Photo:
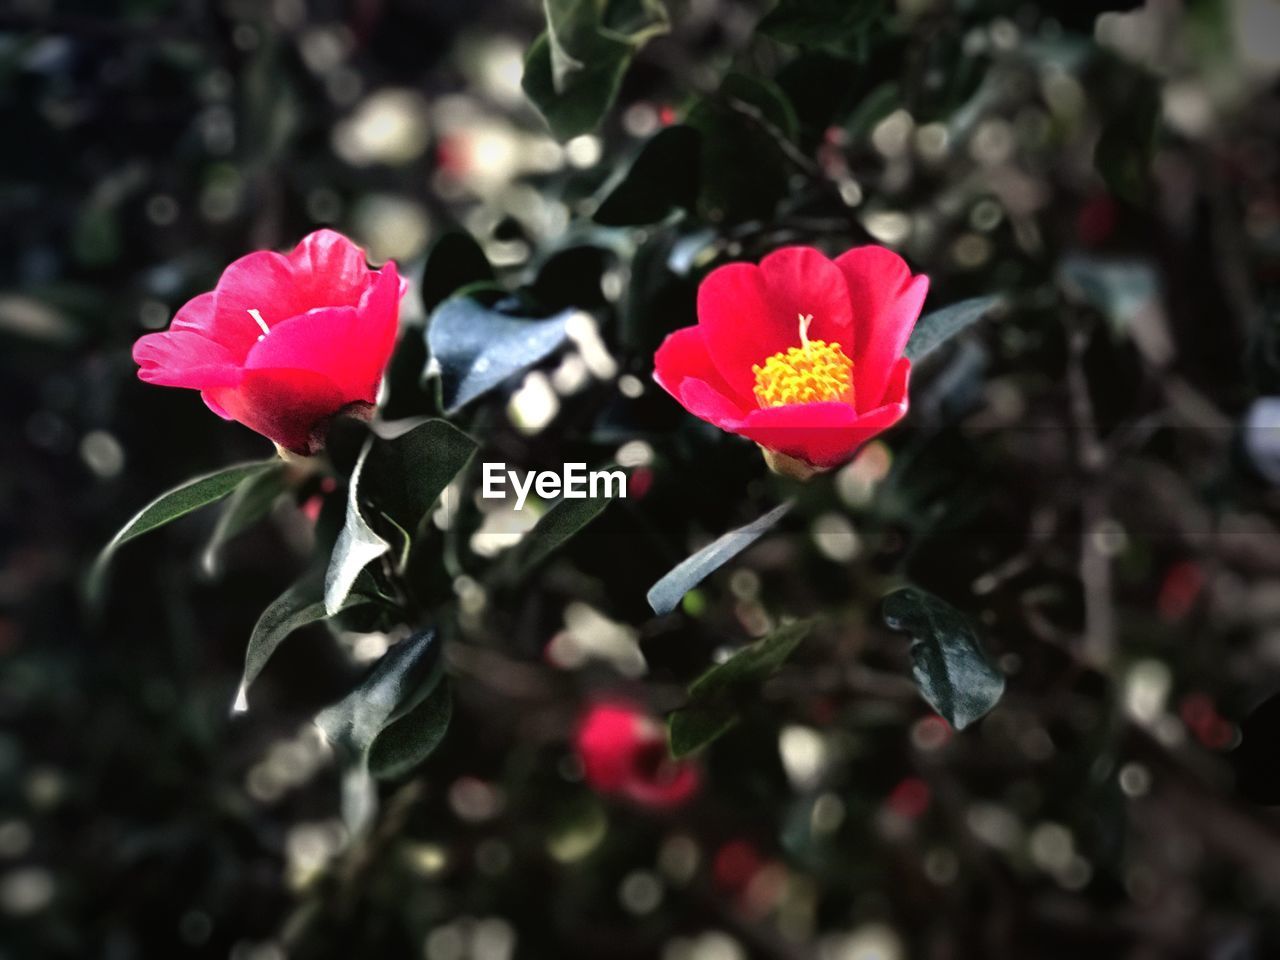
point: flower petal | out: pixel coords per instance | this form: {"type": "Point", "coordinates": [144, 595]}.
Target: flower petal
{"type": "Point", "coordinates": [737, 324]}
{"type": "Point", "coordinates": [196, 315]}
{"type": "Point", "coordinates": [801, 281]}
{"type": "Point", "coordinates": [284, 405]}
{"type": "Point", "coordinates": [684, 369]}
{"type": "Point", "coordinates": [825, 434]}
{"type": "Point", "coordinates": [261, 281]}
{"type": "Point", "coordinates": [349, 346]}
{"type": "Point", "coordinates": [749, 313]}
{"type": "Point", "coordinates": [180, 358]}
{"type": "Point", "coordinates": [329, 269]}
{"type": "Point", "coordinates": [886, 304]}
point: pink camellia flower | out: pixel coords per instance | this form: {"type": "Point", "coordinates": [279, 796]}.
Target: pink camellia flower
{"type": "Point", "coordinates": [802, 354]}
{"type": "Point", "coordinates": [624, 753]}
{"type": "Point", "coordinates": [284, 342]}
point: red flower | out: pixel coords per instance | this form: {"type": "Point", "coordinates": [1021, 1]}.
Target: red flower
{"type": "Point", "coordinates": [801, 354]}
{"type": "Point", "coordinates": [624, 753]}
{"type": "Point", "coordinates": [284, 342]}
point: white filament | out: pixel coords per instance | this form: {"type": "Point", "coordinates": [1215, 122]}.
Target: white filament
{"type": "Point", "coordinates": [257, 318]}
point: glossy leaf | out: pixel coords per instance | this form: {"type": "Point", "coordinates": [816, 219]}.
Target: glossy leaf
{"type": "Point", "coordinates": [665, 595]}
{"type": "Point", "coordinates": [405, 473]}
{"type": "Point", "coordinates": [663, 177]}
{"type": "Point", "coordinates": [715, 697]}
{"type": "Point", "coordinates": [398, 683]}
{"type": "Point", "coordinates": [453, 262]}
{"type": "Point", "coordinates": [553, 529]}
{"type": "Point", "coordinates": [169, 506]}
{"type": "Point", "coordinates": [476, 348]}
{"type": "Point", "coordinates": [573, 70]}
{"type": "Point", "coordinates": [358, 545]}
{"type": "Point", "coordinates": [301, 604]}
{"type": "Point", "coordinates": [747, 118]}
{"type": "Point", "coordinates": [936, 328]}
{"type": "Point", "coordinates": [249, 502]}
{"type": "Point", "coordinates": [953, 672]}
{"type": "Point", "coordinates": [408, 741]}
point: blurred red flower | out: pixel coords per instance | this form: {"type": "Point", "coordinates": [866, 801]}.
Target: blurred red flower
{"type": "Point", "coordinates": [284, 342]}
{"type": "Point", "coordinates": [802, 354]}
{"type": "Point", "coordinates": [624, 753]}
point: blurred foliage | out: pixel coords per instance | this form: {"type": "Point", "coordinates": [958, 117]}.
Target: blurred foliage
{"type": "Point", "coordinates": [1087, 476]}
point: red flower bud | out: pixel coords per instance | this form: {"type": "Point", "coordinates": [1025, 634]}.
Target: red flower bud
{"type": "Point", "coordinates": [284, 342]}
{"type": "Point", "coordinates": [624, 753]}
{"type": "Point", "coordinates": [801, 354]}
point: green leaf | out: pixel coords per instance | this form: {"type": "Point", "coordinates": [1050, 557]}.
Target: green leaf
{"type": "Point", "coordinates": [168, 507]}
{"type": "Point", "coordinates": [661, 292]}
{"type": "Point", "coordinates": [405, 474]}
{"type": "Point", "coordinates": [665, 595]}
{"type": "Point", "coordinates": [715, 697]}
{"type": "Point", "coordinates": [398, 683]}
{"type": "Point", "coordinates": [953, 672]}
{"type": "Point", "coordinates": [745, 127]}
{"type": "Point", "coordinates": [394, 690]}
{"type": "Point", "coordinates": [453, 262]}
{"type": "Point", "coordinates": [358, 545]}
{"type": "Point", "coordinates": [250, 502]}
{"type": "Point", "coordinates": [823, 23]}
{"type": "Point", "coordinates": [476, 348]}
{"type": "Point", "coordinates": [662, 177]}
{"type": "Point", "coordinates": [936, 328]}
{"type": "Point", "coordinates": [573, 70]}
{"type": "Point", "coordinates": [553, 529]}
{"type": "Point", "coordinates": [301, 604]}
{"type": "Point", "coordinates": [407, 742]}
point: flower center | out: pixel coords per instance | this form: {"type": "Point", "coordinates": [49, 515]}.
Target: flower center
{"type": "Point", "coordinates": [257, 318]}
{"type": "Point", "coordinates": [812, 372]}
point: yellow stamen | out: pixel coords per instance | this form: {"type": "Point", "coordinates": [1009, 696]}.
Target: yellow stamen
{"type": "Point", "coordinates": [812, 372]}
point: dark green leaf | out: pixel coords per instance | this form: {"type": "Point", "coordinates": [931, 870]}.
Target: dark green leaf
{"type": "Point", "coordinates": [661, 293]}
{"type": "Point", "coordinates": [301, 604]}
{"type": "Point", "coordinates": [477, 348]}
{"type": "Point", "coordinates": [358, 545]}
{"type": "Point", "coordinates": [249, 503]}
{"type": "Point", "coordinates": [453, 262]}
{"type": "Point", "coordinates": [579, 107]}
{"type": "Point", "coordinates": [871, 109]}
{"type": "Point", "coordinates": [553, 529]}
{"type": "Point", "coordinates": [663, 177]}
{"type": "Point", "coordinates": [953, 672]}
{"type": "Point", "coordinates": [407, 742]}
{"type": "Point", "coordinates": [715, 697]}
{"type": "Point", "coordinates": [665, 595]}
{"type": "Point", "coordinates": [936, 328]}
{"type": "Point", "coordinates": [168, 507]}
{"type": "Point", "coordinates": [405, 474]}
{"type": "Point", "coordinates": [398, 683]}
{"type": "Point", "coordinates": [573, 70]}
{"type": "Point", "coordinates": [747, 118]}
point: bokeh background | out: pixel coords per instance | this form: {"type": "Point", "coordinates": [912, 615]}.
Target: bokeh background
{"type": "Point", "coordinates": [1090, 478]}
